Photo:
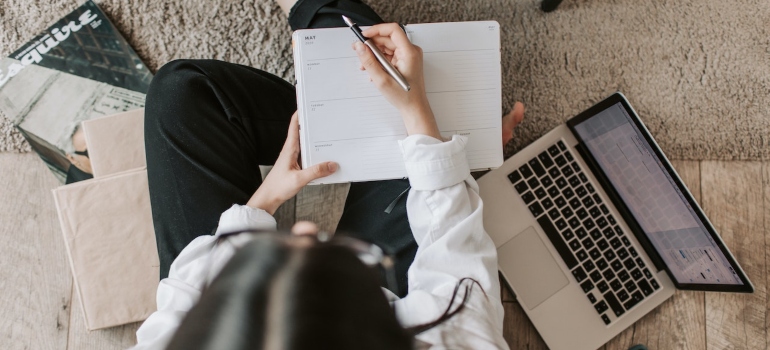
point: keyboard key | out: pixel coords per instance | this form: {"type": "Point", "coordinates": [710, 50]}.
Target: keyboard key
{"type": "Point", "coordinates": [618, 230]}
{"type": "Point", "coordinates": [630, 286]}
{"type": "Point", "coordinates": [546, 181]}
{"type": "Point", "coordinates": [554, 172]}
{"type": "Point", "coordinates": [597, 198]}
{"type": "Point", "coordinates": [602, 244]}
{"type": "Point", "coordinates": [635, 299]}
{"type": "Point", "coordinates": [533, 182]}
{"type": "Point", "coordinates": [616, 264]}
{"type": "Point", "coordinates": [567, 171]}
{"type": "Point", "coordinates": [623, 295]}
{"type": "Point", "coordinates": [575, 245]}
{"type": "Point", "coordinates": [568, 193]}
{"type": "Point", "coordinates": [587, 286]}
{"type": "Point", "coordinates": [626, 242]}
{"type": "Point", "coordinates": [557, 241]}
{"type": "Point", "coordinates": [608, 274]}
{"type": "Point", "coordinates": [611, 219]}
{"type": "Point", "coordinates": [561, 145]}
{"type": "Point", "coordinates": [545, 159]}
{"type": "Point", "coordinates": [561, 224]}
{"type": "Point", "coordinates": [636, 274]}
{"type": "Point", "coordinates": [521, 187]}
{"type": "Point", "coordinates": [601, 264]}
{"type": "Point", "coordinates": [579, 274]}
{"type": "Point", "coordinates": [602, 286]}
{"type": "Point", "coordinates": [596, 276]}
{"type": "Point", "coordinates": [536, 167]}
{"type": "Point", "coordinates": [547, 203]}
{"type": "Point", "coordinates": [574, 203]}
{"type": "Point", "coordinates": [615, 243]}
{"type": "Point", "coordinates": [633, 252]}
{"type": "Point", "coordinates": [560, 161]}
{"type": "Point", "coordinates": [568, 234]}
{"type": "Point", "coordinates": [647, 273]}
{"type": "Point", "coordinates": [569, 156]}
{"type": "Point", "coordinates": [588, 223]}
{"type": "Point", "coordinates": [574, 181]}
{"type": "Point", "coordinates": [588, 244]}
{"type": "Point", "coordinates": [553, 150]}
{"type": "Point", "coordinates": [574, 222]}
{"type": "Point", "coordinates": [594, 253]}
{"type": "Point", "coordinates": [622, 253]}
{"type": "Point", "coordinates": [616, 285]}
{"type": "Point", "coordinates": [608, 232]}
{"type": "Point", "coordinates": [591, 298]}
{"type": "Point", "coordinates": [595, 234]}
{"type": "Point", "coordinates": [588, 202]}
{"type": "Point", "coordinates": [583, 177]}
{"type": "Point", "coordinates": [601, 307]}
{"type": "Point", "coordinates": [581, 214]}
{"type": "Point", "coordinates": [561, 183]}
{"type": "Point", "coordinates": [623, 275]}
{"type": "Point", "coordinates": [540, 193]}
{"type": "Point", "coordinates": [525, 171]}
{"type": "Point", "coordinates": [553, 192]}
{"type": "Point", "coordinates": [581, 233]}
{"type": "Point", "coordinates": [528, 197]}
{"type": "Point", "coordinates": [589, 266]}
{"type": "Point", "coordinates": [567, 212]}
{"type": "Point", "coordinates": [536, 209]}
{"type": "Point", "coordinates": [645, 287]}
{"type": "Point", "coordinates": [595, 212]}
{"type": "Point", "coordinates": [601, 222]}
{"type": "Point", "coordinates": [604, 209]}
{"type": "Point", "coordinates": [560, 202]}
{"type": "Point", "coordinates": [554, 214]}
{"type": "Point", "coordinates": [609, 255]}
{"type": "Point", "coordinates": [576, 167]}
{"type": "Point", "coordinates": [606, 319]}
{"type": "Point", "coordinates": [590, 188]}
{"type": "Point", "coordinates": [514, 177]}
{"type": "Point", "coordinates": [614, 304]}
{"type": "Point", "coordinates": [654, 284]}
{"type": "Point", "coordinates": [582, 255]}
{"type": "Point", "coordinates": [629, 263]}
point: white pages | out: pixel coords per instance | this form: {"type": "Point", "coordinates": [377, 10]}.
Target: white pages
{"type": "Point", "coordinates": [344, 118]}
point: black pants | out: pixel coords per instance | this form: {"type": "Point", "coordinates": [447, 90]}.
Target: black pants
{"type": "Point", "coordinates": [210, 124]}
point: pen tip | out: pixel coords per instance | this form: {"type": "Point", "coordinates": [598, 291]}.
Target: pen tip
{"type": "Point", "coordinates": [347, 20]}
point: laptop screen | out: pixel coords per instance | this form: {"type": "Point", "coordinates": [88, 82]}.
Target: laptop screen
{"type": "Point", "coordinates": [654, 199]}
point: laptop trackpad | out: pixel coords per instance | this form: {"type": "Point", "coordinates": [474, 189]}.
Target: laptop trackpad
{"type": "Point", "coordinates": [530, 268]}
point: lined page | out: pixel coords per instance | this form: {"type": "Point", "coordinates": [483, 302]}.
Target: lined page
{"type": "Point", "coordinates": [345, 119]}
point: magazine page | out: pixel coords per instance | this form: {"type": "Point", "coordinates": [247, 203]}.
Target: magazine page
{"type": "Point", "coordinates": [80, 68]}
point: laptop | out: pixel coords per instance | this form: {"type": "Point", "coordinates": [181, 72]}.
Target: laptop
{"type": "Point", "coordinates": [594, 229]}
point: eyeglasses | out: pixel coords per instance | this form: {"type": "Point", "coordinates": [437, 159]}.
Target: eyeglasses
{"type": "Point", "coordinates": [368, 253]}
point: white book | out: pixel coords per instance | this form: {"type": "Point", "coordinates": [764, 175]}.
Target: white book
{"type": "Point", "coordinates": [345, 119]}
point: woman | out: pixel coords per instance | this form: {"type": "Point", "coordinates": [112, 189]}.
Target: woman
{"type": "Point", "coordinates": [210, 124]}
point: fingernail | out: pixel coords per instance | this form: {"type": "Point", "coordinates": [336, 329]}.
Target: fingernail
{"type": "Point", "coordinates": [332, 166]}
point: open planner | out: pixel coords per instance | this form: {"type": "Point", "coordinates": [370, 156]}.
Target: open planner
{"type": "Point", "coordinates": [344, 118]}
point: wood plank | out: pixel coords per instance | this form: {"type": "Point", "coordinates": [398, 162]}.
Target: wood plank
{"type": "Point", "coordinates": [285, 216]}
{"type": "Point", "coordinates": [733, 200]}
{"type": "Point", "coordinates": [677, 323]}
{"type": "Point", "coordinates": [34, 270]}
{"type": "Point", "coordinates": [766, 201]}
{"type": "Point", "coordinates": [120, 337]}
{"type": "Point", "coordinates": [518, 331]}
{"type": "Point", "coordinates": [322, 204]}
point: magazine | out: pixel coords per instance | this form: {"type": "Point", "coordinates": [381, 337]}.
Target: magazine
{"type": "Point", "coordinates": [78, 69]}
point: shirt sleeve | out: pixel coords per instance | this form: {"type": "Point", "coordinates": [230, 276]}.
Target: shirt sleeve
{"type": "Point", "coordinates": [203, 257]}
{"type": "Point", "coordinates": [445, 215]}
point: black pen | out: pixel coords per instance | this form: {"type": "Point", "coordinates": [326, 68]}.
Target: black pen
{"type": "Point", "coordinates": [378, 54]}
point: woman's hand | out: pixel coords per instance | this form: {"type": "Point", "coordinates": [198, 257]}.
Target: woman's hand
{"type": "Point", "coordinates": [407, 58]}
{"type": "Point", "coordinates": [287, 176]}
{"type": "Point", "coordinates": [511, 120]}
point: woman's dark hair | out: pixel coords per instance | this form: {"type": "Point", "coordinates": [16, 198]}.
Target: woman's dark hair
{"type": "Point", "coordinates": [277, 295]}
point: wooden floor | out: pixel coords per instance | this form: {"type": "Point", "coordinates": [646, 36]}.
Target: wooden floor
{"type": "Point", "coordinates": [39, 312]}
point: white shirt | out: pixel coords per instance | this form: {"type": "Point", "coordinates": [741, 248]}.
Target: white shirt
{"type": "Point", "coordinates": [445, 215]}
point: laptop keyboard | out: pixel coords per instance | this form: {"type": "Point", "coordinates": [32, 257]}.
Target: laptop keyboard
{"type": "Point", "coordinates": [584, 232]}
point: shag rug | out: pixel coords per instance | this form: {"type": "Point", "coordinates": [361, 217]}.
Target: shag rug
{"type": "Point", "coordinates": [697, 71]}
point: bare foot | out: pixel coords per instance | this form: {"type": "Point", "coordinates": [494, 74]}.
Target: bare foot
{"type": "Point", "coordinates": [511, 120]}
{"type": "Point", "coordinates": [286, 5]}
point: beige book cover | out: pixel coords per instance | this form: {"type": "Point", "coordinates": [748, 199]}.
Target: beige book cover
{"type": "Point", "coordinates": [110, 241]}
{"type": "Point", "coordinates": [116, 142]}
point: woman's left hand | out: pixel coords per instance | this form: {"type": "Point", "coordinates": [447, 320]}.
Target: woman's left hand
{"type": "Point", "coordinates": [287, 176]}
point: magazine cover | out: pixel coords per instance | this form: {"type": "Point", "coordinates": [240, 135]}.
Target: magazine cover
{"type": "Point", "coordinates": [79, 68]}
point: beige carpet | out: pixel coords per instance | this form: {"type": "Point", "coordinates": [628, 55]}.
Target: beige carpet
{"type": "Point", "coordinates": [698, 71]}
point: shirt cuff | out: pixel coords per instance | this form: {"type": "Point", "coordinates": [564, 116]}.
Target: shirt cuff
{"type": "Point", "coordinates": [432, 164]}
{"type": "Point", "coordinates": [242, 217]}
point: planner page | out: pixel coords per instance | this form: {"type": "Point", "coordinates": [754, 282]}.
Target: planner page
{"type": "Point", "coordinates": [344, 118]}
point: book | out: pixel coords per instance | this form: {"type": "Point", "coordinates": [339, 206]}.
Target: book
{"type": "Point", "coordinates": [344, 118]}
{"type": "Point", "coordinates": [80, 68]}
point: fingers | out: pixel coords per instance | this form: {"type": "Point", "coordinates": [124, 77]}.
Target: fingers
{"type": "Point", "coordinates": [511, 120]}
{"type": "Point", "coordinates": [292, 139]}
{"type": "Point", "coordinates": [317, 171]}
{"type": "Point", "coordinates": [370, 64]}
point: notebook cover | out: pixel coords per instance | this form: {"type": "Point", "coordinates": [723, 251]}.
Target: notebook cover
{"type": "Point", "coordinates": [116, 142]}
